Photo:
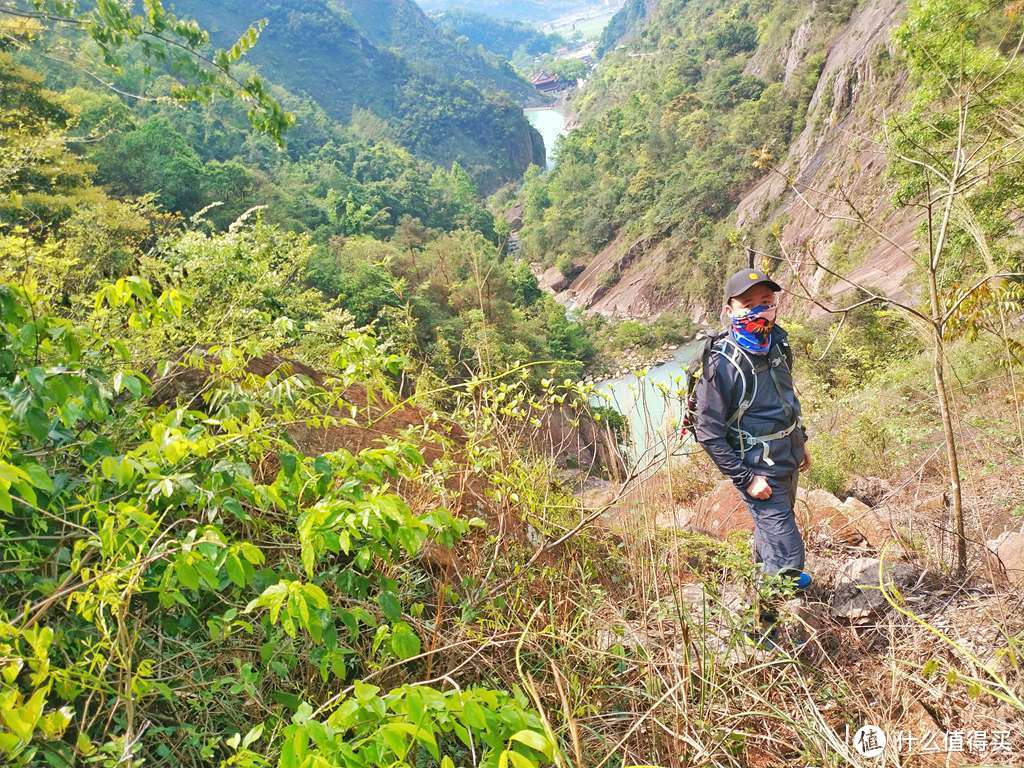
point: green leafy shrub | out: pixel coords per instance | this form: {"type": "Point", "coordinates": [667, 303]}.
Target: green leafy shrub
{"type": "Point", "coordinates": [139, 524]}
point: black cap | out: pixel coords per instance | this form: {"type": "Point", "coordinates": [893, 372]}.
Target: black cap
{"type": "Point", "coordinates": [744, 279]}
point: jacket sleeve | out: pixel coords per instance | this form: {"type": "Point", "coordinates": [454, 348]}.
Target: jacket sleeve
{"type": "Point", "coordinates": [714, 406]}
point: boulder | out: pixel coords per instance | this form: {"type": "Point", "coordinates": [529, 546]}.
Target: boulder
{"type": "Point", "coordinates": [553, 280]}
{"type": "Point", "coordinates": [1004, 558]}
{"type": "Point", "coordinates": [870, 490]}
{"type": "Point", "coordinates": [715, 621]}
{"type": "Point", "coordinates": [857, 595]}
{"type": "Point", "coordinates": [718, 514]}
{"type": "Point", "coordinates": [868, 523]}
{"type": "Point", "coordinates": [820, 514]}
{"type": "Point", "coordinates": [696, 601]}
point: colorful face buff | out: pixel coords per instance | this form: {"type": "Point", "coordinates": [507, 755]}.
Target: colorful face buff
{"type": "Point", "coordinates": [752, 329]}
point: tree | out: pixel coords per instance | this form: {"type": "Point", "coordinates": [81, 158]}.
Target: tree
{"type": "Point", "coordinates": [180, 47]}
{"type": "Point", "coordinates": [41, 181]}
{"type": "Point", "coordinates": [153, 158]}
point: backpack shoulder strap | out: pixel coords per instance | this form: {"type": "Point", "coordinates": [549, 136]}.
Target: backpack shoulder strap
{"type": "Point", "coordinates": [787, 352]}
{"type": "Point", "coordinates": [739, 360]}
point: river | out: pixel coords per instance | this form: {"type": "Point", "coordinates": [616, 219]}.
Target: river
{"type": "Point", "coordinates": [550, 122]}
{"type": "Point", "coordinates": [644, 400]}
{"type": "Point", "coordinates": [647, 399]}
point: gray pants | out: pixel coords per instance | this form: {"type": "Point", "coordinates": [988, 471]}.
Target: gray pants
{"type": "Point", "coordinates": [778, 545]}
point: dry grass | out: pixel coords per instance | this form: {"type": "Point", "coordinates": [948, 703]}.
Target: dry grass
{"type": "Point", "coordinates": [610, 636]}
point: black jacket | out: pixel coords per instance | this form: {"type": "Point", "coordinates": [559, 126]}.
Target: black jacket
{"type": "Point", "coordinates": [718, 397]}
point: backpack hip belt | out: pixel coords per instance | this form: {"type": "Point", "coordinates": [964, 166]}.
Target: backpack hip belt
{"type": "Point", "coordinates": [748, 441]}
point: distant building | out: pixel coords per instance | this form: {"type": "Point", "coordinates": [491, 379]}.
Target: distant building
{"type": "Point", "coordinates": [545, 82]}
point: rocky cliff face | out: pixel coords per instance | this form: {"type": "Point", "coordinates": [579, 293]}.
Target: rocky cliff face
{"type": "Point", "coordinates": [838, 161]}
{"type": "Point", "coordinates": [837, 157]}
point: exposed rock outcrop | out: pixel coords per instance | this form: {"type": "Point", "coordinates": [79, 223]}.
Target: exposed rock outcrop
{"type": "Point", "coordinates": [1004, 557]}
{"type": "Point", "coordinates": [820, 515]}
{"type": "Point", "coordinates": [835, 150]}
{"type": "Point", "coordinates": [858, 594]}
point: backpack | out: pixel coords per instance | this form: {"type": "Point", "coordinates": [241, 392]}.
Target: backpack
{"type": "Point", "coordinates": [695, 369]}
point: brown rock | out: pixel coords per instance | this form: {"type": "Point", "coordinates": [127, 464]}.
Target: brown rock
{"type": "Point", "coordinates": [870, 490]}
{"type": "Point", "coordinates": [869, 524]}
{"type": "Point", "coordinates": [930, 504]}
{"type": "Point", "coordinates": [1004, 556]}
{"type": "Point", "coordinates": [819, 513]}
{"type": "Point", "coordinates": [720, 513]}
{"type": "Point", "coordinates": [553, 280]}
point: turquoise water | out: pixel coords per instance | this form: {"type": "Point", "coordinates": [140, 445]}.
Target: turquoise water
{"type": "Point", "coordinates": [550, 123]}
{"type": "Point", "coordinates": [652, 404]}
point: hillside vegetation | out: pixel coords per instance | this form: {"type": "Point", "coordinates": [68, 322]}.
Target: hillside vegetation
{"type": "Point", "coordinates": [523, 10]}
{"type": "Point", "coordinates": [389, 71]}
{"type": "Point", "coordinates": [296, 465]}
{"type": "Point", "coordinates": [508, 38]}
{"type": "Point", "coordinates": [675, 128]}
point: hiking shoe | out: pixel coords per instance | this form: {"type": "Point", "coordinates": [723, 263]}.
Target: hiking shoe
{"type": "Point", "coordinates": [801, 580]}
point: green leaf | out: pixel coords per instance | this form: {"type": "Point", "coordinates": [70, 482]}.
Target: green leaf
{"type": "Point", "coordinates": [38, 424]}
{"type": "Point", "coordinates": [316, 596]}
{"type": "Point", "coordinates": [394, 739]}
{"type": "Point", "coordinates": [419, 733]}
{"type": "Point", "coordinates": [252, 736]}
{"type": "Point", "coordinates": [390, 606]}
{"type": "Point", "coordinates": [289, 463]}
{"type": "Point", "coordinates": [519, 760]}
{"type": "Point", "coordinates": [534, 740]}
{"type": "Point", "coordinates": [473, 715]}
{"type": "Point", "coordinates": [404, 642]}
{"type": "Point", "coordinates": [187, 575]}
{"type": "Point", "coordinates": [235, 570]}
{"type": "Point", "coordinates": [251, 552]}
{"type": "Point", "coordinates": [37, 475]}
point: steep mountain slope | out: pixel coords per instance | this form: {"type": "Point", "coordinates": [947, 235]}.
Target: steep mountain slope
{"type": "Point", "coordinates": [320, 49]}
{"type": "Point", "coordinates": [524, 10]}
{"type": "Point", "coordinates": [687, 135]}
{"type": "Point", "coordinates": [504, 37]}
{"type": "Point", "coordinates": [401, 26]}
{"type": "Point", "coordinates": [627, 20]}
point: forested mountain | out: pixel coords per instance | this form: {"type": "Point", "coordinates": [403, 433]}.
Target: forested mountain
{"type": "Point", "coordinates": [688, 132]}
{"type": "Point", "coordinates": [524, 10]}
{"type": "Point", "coordinates": [388, 69]}
{"type": "Point", "coordinates": [627, 20]}
{"type": "Point", "coordinates": [401, 25]}
{"type": "Point", "coordinates": [507, 37]}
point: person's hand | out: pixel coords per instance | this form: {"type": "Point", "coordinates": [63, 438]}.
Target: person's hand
{"type": "Point", "coordinates": [759, 488]}
{"type": "Point", "coordinates": [806, 463]}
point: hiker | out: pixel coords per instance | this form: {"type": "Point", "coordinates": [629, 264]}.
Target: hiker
{"type": "Point", "coordinates": [747, 417]}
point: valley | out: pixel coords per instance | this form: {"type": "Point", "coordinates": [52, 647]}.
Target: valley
{"type": "Point", "coordinates": [344, 352]}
